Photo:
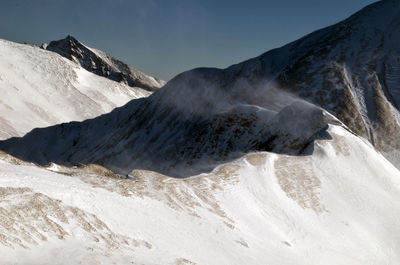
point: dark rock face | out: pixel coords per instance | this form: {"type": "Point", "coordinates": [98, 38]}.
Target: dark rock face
{"type": "Point", "coordinates": [102, 64]}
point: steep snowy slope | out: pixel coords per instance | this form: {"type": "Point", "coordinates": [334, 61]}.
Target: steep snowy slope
{"type": "Point", "coordinates": [40, 88]}
{"type": "Point", "coordinates": [341, 205]}
{"type": "Point", "coordinates": [207, 116]}
{"type": "Point", "coordinates": [102, 64]}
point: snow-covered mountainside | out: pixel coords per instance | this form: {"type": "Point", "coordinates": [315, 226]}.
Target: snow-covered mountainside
{"type": "Point", "coordinates": [102, 64]}
{"type": "Point", "coordinates": [282, 159]}
{"type": "Point", "coordinates": [207, 116]}
{"type": "Point", "coordinates": [40, 88]}
{"type": "Point", "coordinates": [351, 69]}
{"type": "Point", "coordinates": [341, 205]}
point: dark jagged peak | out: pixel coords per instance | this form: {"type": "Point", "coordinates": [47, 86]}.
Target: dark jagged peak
{"type": "Point", "coordinates": [102, 64]}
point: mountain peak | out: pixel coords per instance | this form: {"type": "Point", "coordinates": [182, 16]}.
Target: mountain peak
{"type": "Point", "coordinates": [102, 64]}
{"type": "Point", "coordinates": [379, 15]}
{"type": "Point", "coordinates": [70, 39]}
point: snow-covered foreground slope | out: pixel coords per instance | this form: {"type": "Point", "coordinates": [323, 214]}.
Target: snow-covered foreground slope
{"type": "Point", "coordinates": [40, 88]}
{"type": "Point", "coordinates": [341, 205]}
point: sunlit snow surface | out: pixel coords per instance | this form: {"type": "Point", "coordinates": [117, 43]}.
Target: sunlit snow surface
{"type": "Point", "coordinates": [341, 205]}
{"type": "Point", "coordinates": [40, 88]}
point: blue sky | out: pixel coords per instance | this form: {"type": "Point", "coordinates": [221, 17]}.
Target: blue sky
{"type": "Point", "coordinates": [166, 37]}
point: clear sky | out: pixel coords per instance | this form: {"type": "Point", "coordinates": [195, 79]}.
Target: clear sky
{"type": "Point", "coordinates": [166, 37]}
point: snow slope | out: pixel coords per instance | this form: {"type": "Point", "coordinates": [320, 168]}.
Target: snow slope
{"type": "Point", "coordinates": [340, 205]}
{"type": "Point", "coordinates": [40, 88]}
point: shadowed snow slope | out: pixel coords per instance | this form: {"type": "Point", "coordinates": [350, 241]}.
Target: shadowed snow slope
{"type": "Point", "coordinates": [146, 134]}
{"type": "Point", "coordinates": [340, 205]}
{"type": "Point", "coordinates": [40, 88]}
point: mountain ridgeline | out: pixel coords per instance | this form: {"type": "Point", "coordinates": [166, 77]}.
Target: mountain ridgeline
{"type": "Point", "coordinates": [281, 101]}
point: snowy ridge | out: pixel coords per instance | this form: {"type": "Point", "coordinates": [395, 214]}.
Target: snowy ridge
{"type": "Point", "coordinates": [40, 88]}
{"type": "Point", "coordinates": [139, 134]}
{"type": "Point", "coordinates": [261, 208]}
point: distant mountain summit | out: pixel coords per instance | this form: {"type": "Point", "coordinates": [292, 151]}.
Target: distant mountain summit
{"type": "Point", "coordinates": [40, 88]}
{"type": "Point", "coordinates": [102, 64]}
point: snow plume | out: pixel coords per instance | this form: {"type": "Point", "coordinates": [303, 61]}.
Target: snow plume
{"type": "Point", "coordinates": [207, 90]}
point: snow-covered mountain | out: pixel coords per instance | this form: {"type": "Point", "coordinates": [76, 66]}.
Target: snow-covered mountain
{"type": "Point", "coordinates": [102, 64]}
{"type": "Point", "coordinates": [351, 69]}
{"type": "Point", "coordinates": [281, 159]}
{"type": "Point", "coordinates": [40, 88]}
{"type": "Point", "coordinates": [341, 205]}
{"type": "Point", "coordinates": [207, 116]}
